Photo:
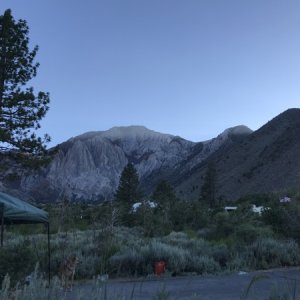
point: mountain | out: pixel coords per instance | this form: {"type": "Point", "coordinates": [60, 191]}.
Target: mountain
{"type": "Point", "coordinates": [264, 161]}
{"type": "Point", "coordinates": [88, 167]}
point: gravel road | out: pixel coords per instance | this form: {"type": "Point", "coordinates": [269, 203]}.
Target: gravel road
{"type": "Point", "coordinates": [223, 287]}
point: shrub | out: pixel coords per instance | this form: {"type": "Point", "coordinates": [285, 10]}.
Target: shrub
{"type": "Point", "coordinates": [268, 253]}
{"type": "Point", "coordinates": [223, 226]}
{"type": "Point", "coordinates": [37, 289]}
{"type": "Point", "coordinates": [237, 263]}
{"type": "Point", "coordinates": [221, 255]}
{"type": "Point", "coordinates": [248, 233]}
{"type": "Point", "coordinates": [4, 292]}
{"type": "Point", "coordinates": [140, 260]}
{"type": "Point", "coordinates": [126, 261]}
{"type": "Point", "coordinates": [203, 265]}
{"type": "Point", "coordinates": [195, 246]}
{"type": "Point", "coordinates": [187, 255]}
{"type": "Point", "coordinates": [16, 260]}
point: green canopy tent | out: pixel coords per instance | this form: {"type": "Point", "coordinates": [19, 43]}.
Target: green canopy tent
{"type": "Point", "coordinates": [16, 211]}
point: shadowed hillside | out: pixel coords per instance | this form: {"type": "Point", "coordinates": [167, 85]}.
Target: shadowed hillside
{"type": "Point", "coordinates": [267, 160]}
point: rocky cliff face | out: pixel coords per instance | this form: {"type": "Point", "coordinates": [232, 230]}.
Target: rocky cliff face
{"type": "Point", "coordinates": [88, 167]}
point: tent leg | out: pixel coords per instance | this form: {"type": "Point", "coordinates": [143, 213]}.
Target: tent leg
{"type": "Point", "coordinates": [2, 229]}
{"type": "Point", "coordinates": [49, 269]}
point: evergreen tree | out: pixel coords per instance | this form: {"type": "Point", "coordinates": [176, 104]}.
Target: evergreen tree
{"type": "Point", "coordinates": [127, 193]}
{"type": "Point", "coordinates": [208, 190]}
{"type": "Point", "coordinates": [165, 197]}
{"type": "Point", "coordinates": [20, 109]}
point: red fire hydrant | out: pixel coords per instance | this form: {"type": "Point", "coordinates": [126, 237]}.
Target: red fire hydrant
{"type": "Point", "coordinates": [160, 267]}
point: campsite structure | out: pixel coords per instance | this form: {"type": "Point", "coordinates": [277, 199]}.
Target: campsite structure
{"type": "Point", "coordinates": [16, 211]}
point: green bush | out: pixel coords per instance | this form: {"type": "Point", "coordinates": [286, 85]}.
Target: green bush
{"type": "Point", "coordinates": [203, 265]}
{"type": "Point", "coordinates": [221, 255]}
{"type": "Point", "coordinates": [139, 260]}
{"type": "Point", "coordinates": [223, 225]}
{"type": "Point", "coordinates": [175, 257]}
{"type": "Point", "coordinates": [195, 246]}
{"type": "Point", "coordinates": [17, 260]}
{"type": "Point", "coordinates": [238, 263]}
{"type": "Point", "coordinates": [269, 253]}
{"type": "Point", "coordinates": [37, 289]}
{"type": "Point", "coordinates": [180, 254]}
{"type": "Point", "coordinates": [248, 233]}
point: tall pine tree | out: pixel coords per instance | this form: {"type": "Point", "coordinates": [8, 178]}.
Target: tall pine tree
{"type": "Point", "coordinates": [20, 109]}
{"type": "Point", "coordinates": [164, 195]}
{"type": "Point", "coordinates": [165, 198]}
{"type": "Point", "coordinates": [127, 193]}
{"type": "Point", "coordinates": [208, 190]}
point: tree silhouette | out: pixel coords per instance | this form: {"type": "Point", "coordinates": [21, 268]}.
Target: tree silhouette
{"type": "Point", "coordinates": [127, 193]}
{"type": "Point", "coordinates": [208, 190]}
{"type": "Point", "coordinates": [165, 198]}
{"type": "Point", "coordinates": [20, 109]}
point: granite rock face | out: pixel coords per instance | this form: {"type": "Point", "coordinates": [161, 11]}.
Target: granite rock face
{"type": "Point", "coordinates": [88, 167]}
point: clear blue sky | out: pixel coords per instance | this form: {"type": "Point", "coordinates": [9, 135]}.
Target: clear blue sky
{"type": "Point", "coordinates": [190, 68]}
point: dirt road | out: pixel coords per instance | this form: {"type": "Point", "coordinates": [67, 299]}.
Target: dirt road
{"type": "Point", "coordinates": [224, 287]}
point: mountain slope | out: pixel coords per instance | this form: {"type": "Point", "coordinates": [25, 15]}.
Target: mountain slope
{"type": "Point", "coordinates": [264, 161]}
{"type": "Point", "coordinates": [87, 167]}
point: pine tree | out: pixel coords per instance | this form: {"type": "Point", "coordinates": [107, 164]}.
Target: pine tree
{"type": "Point", "coordinates": [127, 193]}
{"type": "Point", "coordinates": [165, 197]}
{"type": "Point", "coordinates": [208, 190]}
{"type": "Point", "coordinates": [20, 109]}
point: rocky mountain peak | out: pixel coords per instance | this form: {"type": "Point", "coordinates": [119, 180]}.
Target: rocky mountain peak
{"type": "Point", "coordinates": [215, 143]}
{"type": "Point", "coordinates": [238, 130]}
{"type": "Point", "coordinates": [131, 132]}
{"type": "Point", "coordinates": [88, 166]}
{"type": "Point", "coordinates": [123, 134]}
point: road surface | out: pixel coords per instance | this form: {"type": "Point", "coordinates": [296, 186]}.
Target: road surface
{"type": "Point", "coordinates": [223, 287]}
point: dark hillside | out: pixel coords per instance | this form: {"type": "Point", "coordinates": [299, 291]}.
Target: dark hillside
{"type": "Point", "coordinates": [265, 161]}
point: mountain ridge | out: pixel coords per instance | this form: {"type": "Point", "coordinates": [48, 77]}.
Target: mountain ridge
{"type": "Point", "coordinates": [264, 161]}
{"type": "Point", "coordinates": [87, 167]}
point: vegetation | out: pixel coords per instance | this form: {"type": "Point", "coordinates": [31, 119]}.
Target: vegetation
{"type": "Point", "coordinates": [208, 189]}
{"type": "Point", "coordinates": [165, 200]}
{"type": "Point", "coordinates": [20, 109]}
{"type": "Point", "coordinates": [190, 237]}
{"type": "Point", "coordinates": [218, 241]}
{"type": "Point", "coordinates": [127, 193]}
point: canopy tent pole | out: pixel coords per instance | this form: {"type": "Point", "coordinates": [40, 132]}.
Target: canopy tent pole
{"type": "Point", "coordinates": [49, 269]}
{"type": "Point", "coordinates": [2, 228]}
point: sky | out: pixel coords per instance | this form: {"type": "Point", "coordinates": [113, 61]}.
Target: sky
{"type": "Point", "coordinates": [190, 68]}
